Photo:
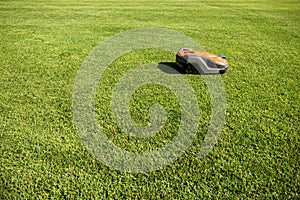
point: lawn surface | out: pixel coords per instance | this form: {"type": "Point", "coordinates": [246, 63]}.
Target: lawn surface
{"type": "Point", "coordinates": [43, 44]}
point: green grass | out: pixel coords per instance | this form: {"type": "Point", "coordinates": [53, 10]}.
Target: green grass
{"type": "Point", "coordinates": [43, 44]}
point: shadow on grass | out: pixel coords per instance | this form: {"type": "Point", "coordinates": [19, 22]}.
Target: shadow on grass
{"type": "Point", "coordinates": [168, 67]}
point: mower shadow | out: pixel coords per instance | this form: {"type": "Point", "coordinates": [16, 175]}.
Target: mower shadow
{"type": "Point", "coordinates": [169, 67]}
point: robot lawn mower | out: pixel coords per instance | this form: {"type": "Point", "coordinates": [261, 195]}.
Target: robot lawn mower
{"type": "Point", "coordinates": [197, 61]}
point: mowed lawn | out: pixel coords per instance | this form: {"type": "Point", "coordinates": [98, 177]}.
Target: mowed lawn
{"type": "Point", "coordinates": [43, 44]}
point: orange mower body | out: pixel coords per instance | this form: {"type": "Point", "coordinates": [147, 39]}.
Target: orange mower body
{"type": "Point", "coordinates": [201, 62]}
